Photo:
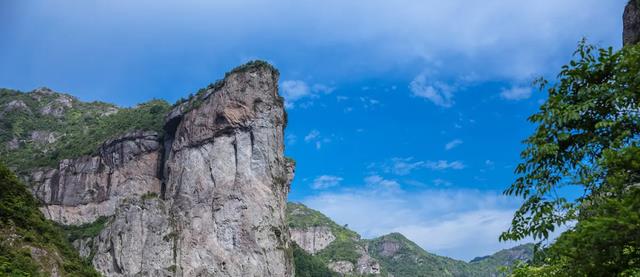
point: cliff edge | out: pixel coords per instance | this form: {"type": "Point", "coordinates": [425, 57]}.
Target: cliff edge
{"type": "Point", "coordinates": [207, 196]}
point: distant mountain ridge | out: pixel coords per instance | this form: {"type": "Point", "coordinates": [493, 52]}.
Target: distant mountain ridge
{"type": "Point", "coordinates": [328, 249]}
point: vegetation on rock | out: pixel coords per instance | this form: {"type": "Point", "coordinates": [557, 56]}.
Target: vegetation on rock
{"type": "Point", "coordinates": [308, 265]}
{"type": "Point", "coordinates": [71, 128]}
{"type": "Point", "coordinates": [396, 254]}
{"type": "Point", "coordinates": [30, 245]}
{"type": "Point", "coordinates": [87, 230]}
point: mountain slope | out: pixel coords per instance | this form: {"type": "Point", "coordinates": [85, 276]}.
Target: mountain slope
{"type": "Point", "coordinates": [194, 189]}
{"type": "Point", "coordinates": [487, 265]}
{"type": "Point", "coordinates": [30, 245]}
{"type": "Point", "coordinates": [402, 257]}
{"type": "Point", "coordinates": [42, 127]}
{"type": "Point", "coordinates": [343, 251]}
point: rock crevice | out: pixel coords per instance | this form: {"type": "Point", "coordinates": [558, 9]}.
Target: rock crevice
{"type": "Point", "coordinates": [206, 198]}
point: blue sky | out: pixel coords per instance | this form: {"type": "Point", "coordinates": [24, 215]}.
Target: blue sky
{"type": "Point", "coordinates": [404, 115]}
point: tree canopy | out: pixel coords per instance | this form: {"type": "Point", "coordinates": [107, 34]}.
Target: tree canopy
{"type": "Point", "coordinates": [586, 135]}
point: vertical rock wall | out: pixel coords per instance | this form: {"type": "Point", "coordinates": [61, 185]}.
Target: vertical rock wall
{"type": "Point", "coordinates": [631, 23]}
{"type": "Point", "coordinates": [207, 200]}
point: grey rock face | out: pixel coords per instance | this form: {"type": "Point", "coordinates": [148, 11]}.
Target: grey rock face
{"type": "Point", "coordinates": [312, 239]}
{"type": "Point", "coordinates": [13, 144]}
{"type": "Point", "coordinates": [44, 137]}
{"type": "Point", "coordinates": [57, 107]}
{"type": "Point", "coordinates": [390, 248]}
{"type": "Point", "coordinates": [367, 264]}
{"type": "Point", "coordinates": [139, 241]}
{"type": "Point", "coordinates": [342, 267]}
{"type": "Point", "coordinates": [16, 105]}
{"type": "Point", "coordinates": [83, 189]}
{"type": "Point", "coordinates": [228, 180]}
{"type": "Point", "coordinates": [631, 23]}
{"type": "Point", "coordinates": [221, 182]}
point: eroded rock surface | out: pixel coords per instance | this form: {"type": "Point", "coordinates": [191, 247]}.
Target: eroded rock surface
{"type": "Point", "coordinates": [83, 189]}
{"type": "Point", "coordinates": [207, 200]}
{"type": "Point", "coordinates": [312, 239]}
{"type": "Point", "coordinates": [342, 267]}
{"type": "Point", "coordinates": [631, 23]}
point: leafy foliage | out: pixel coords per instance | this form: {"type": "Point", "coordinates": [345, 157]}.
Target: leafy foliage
{"type": "Point", "coordinates": [588, 135]}
{"type": "Point", "coordinates": [78, 130]}
{"type": "Point", "coordinates": [591, 110]}
{"type": "Point", "coordinates": [300, 216]}
{"type": "Point", "coordinates": [23, 227]}
{"type": "Point", "coordinates": [307, 265]}
{"type": "Point", "coordinates": [87, 230]}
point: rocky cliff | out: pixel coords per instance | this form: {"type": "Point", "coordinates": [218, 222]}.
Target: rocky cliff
{"type": "Point", "coordinates": [204, 196]}
{"type": "Point", "coordinates": [631, 23]}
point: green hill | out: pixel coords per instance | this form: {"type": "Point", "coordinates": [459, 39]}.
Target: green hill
{"type": "Point", "coordinates": [30, 245]}
{"type": "Point", "coordinates": [393, 254]}
{"type": "Point", "coordinates": [41, 127]}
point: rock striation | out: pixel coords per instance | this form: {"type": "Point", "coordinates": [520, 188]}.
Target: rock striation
{"type": "Point", "coordinates": [82, 190]}
{"type": "Point", "coordinates": [206, 198]}
{"type": "Point", "coordinates": [312, 239]}
{"type": "Point", "coordinates": [631, 23]}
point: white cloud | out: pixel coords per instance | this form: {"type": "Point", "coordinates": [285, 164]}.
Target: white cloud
{"type": "Point", "coordinates": [459, 223]}
{"type": "Point", "coordinates": [377, 182]}
{"type": "Point", "coordinates": [404, 166]}
{"type": "Point", "coordinates": [326, 181]}
{"type": "Point", "coordinates": [320, 88]}
{"type": "Point", "coordinates": [313, 134]}
{"type": "Point", "coordinates": [438, 93]}
{"type": "Point", "coordinates": [442, 165]}
{"type": "Point", "coordinates": [516, 93]}
{"type": "Point", "coordinates": [291, 139]}
{"type": "Point", "coordinates": [489, 163]}
{"type": "Point", "coordinates": [369, 102]}
{"type": "Point", "coordinates": [452, 144]}
{"type": "Point", "coordinates": [296, 90]}
{"type": "Point", "coordinates": [441, 182]}
{"type": "Point", "coordinates": [459, 37]}
{"type": "Point", "coordinates": [318, 140]}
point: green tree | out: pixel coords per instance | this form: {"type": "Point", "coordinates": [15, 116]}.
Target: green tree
{"type": "Point", "coordinates": [587, 135]}
{"type": "Point", "coordinates": [592, 109]}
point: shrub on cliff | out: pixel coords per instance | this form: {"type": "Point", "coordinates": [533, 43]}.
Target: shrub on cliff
{"type": "Point", "coordinates": [30, 245]}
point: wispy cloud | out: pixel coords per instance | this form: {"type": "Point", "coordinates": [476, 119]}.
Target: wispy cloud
{"type": "Point", "coordinates": [377, 181]}
{"type": "Point", "coordinates": [452, 144]}
{"type": "Point", "coordinates": [326, 181]}
{"type": "Point", "coordinates": [459, 37]}
{"type": "Point", "coordinates": [404, 166]}
{"type": "Point", "coordinates": [443, 164]}
{"type": "Point", "coordinates": [516, 93]}
{"type": "Point", "coordinates": [438, 93]}
{"type": "Point", "coordinates": [454, 222]}
{"type": "Point", "coordinates": [368, 102]}
{"type": "Point", "coordinates": [441, 182]}
{"type": "Point", "coordinates": [317, 139]}
{"type": "Point", "coordinates": [295, 90]}
{"type": "Point", "coordinates": [313, 134]}
{"type": "Point", "coordinates": [291, 139]}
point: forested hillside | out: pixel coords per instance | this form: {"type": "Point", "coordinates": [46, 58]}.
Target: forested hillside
{"type": "Point", "coordinates": [341, 251]}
